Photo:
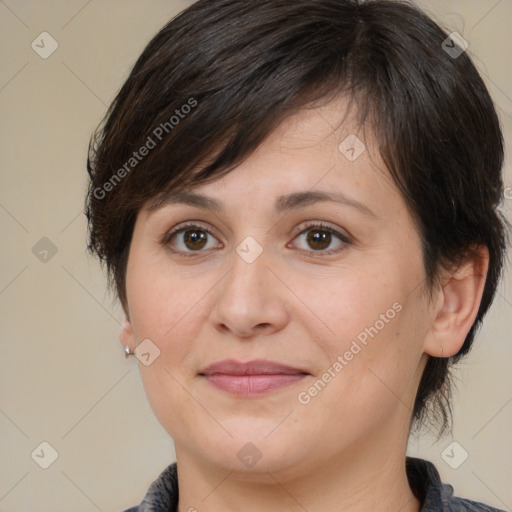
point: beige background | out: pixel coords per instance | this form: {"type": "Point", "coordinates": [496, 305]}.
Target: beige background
{"type": "Point", "coordinates": [63, 376]}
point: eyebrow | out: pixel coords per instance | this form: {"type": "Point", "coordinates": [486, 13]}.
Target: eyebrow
{"type": "Point", "coordinates": [283, 203]}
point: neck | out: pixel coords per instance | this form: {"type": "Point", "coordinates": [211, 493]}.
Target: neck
{"type": "Point", "coordinates": [361, 479]}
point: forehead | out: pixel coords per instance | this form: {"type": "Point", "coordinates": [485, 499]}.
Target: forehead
{"type": "Point", "coordinates": [316, 155]}
{"type": "Point", "coordinates": [315, 147]}
{"type": "Point", "coordinates": [319, 127]}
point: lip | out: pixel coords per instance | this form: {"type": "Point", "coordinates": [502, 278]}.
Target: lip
{"type": "Point", "coordinates": [251, 378]}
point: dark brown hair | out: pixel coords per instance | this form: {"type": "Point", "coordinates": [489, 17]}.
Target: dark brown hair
{"type": "Point", "coordinates": [216, 80]}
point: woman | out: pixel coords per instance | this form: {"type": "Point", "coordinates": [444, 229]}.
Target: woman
{"type": "Point", "coordinates": [297, 205]}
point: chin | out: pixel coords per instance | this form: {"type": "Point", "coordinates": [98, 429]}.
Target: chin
{"type": "Point", "coordinates": [252, 455]}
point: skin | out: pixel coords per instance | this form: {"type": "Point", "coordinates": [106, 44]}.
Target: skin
{"type": "Point", "coordinates": [345, 449]}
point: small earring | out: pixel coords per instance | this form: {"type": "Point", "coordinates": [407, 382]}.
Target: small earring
{"type": "Point", "coordinates": [442, 351]}
{"type": "Point", "coordinates": [127, 352]}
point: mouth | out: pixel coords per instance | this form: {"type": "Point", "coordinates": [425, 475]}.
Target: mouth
{"type": "Point", "coordinates": [252, 378]}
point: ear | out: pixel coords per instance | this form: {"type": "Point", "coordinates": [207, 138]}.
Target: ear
{"type": "Point", "coordinates": [457, 304]}
{"type": "Point", "coordinates": [126, 334]}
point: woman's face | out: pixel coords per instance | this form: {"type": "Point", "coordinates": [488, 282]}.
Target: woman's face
{"type": "Point", "coordinates": [310, 269]}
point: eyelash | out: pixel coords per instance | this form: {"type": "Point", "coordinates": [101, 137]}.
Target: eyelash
{"type": "Point", "coordinates": [318, 226]}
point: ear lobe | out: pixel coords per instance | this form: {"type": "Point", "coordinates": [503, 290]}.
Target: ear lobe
{"type": "Point", "coordinates": [126, 335]}
{"type": "Point", "coordinates": [460, 300]}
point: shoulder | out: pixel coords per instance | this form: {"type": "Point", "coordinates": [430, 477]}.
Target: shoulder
{"type": "Point", "coordinates": [463, 505]}
{"type": "Point", "coordinates": [162, 495]}
{"type": "Point", "coordinates": [435, 496]}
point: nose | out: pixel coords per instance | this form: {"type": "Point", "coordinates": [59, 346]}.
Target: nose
{"type": "Point", "coordinates": [251, 300]}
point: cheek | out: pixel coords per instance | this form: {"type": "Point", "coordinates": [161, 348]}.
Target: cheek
{"type": "Point", "coordinates": [370, 329]}
{"type": "Point", "coordinates": [168, 311]}
{"type": "Point", "coordinates": [160, 302]}
{"type": "Point", "coordinates": [173, 405]}
{"type": "Point", "coordinates": [370, 376]}
{"type": "Point", "coordinates": [350, 305]}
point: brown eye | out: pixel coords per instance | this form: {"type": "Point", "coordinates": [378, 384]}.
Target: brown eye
{"type": "Point", "coordinates": [319, 237]}
{"type": "Point", "coordinates": [190, 239]}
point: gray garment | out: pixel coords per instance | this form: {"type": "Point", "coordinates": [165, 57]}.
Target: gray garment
{"type": "Point", "coordinates": [423, 476]}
